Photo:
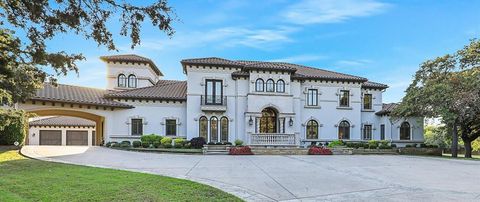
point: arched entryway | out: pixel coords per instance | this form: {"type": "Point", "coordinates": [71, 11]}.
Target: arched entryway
{"type": "Point", "coordinates": [99, 120]}
{"type": "Point", "coordinates": [268, 121]}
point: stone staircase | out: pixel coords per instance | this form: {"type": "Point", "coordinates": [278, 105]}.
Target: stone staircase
{"type": "Point", "coordinates": [216, 149]}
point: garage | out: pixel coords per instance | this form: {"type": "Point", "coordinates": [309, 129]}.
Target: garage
{"type": "Point", "coordinates": [50, 137]}
{"type": "Point", "coordinates": [77, 137]}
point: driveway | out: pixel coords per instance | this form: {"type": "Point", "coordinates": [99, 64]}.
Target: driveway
{"type": "Point", "coordinates": [295, 178]}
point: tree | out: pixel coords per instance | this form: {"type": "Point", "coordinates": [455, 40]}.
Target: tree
{"type": "Point", "coordinates": [39, 21]}
{"type": "Point", "coordinates": [448, 87]}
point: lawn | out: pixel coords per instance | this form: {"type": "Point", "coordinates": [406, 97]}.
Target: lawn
{"type": "Point", "coordinates": [462, 156]}
{"type": "Point", "coordinates": [23, 179]}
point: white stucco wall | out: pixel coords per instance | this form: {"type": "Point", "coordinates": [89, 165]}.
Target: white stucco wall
{"type": "Point", "coordinates": [144, 73]}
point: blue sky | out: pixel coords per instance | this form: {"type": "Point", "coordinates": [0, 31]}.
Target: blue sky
{"type": "Point", "coordinates": [384, 41]}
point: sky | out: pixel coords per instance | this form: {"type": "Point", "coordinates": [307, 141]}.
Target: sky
{"type": "Point", "coordinates": [384, 41]}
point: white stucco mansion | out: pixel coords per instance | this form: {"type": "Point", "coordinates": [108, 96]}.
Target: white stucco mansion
{"type": "Point", "coordinates": [261, 103]}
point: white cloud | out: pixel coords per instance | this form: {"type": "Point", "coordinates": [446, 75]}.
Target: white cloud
{"type": "Point", "coordinates": [331, 11]}
{"type": "Point", "coordinates": [300, 58]}
{"type": "Point", "coordinates": [356, 63]}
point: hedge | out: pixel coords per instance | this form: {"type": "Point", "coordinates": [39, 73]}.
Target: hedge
{"type": "Point", "coordinates": [13, 127]}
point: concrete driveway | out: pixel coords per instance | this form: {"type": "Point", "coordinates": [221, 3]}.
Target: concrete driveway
{"type": "Point", "coordinates": [295, 178]}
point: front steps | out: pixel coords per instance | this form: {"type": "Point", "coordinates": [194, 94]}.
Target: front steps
{"type": "Point", "coordinates": [216, 149]}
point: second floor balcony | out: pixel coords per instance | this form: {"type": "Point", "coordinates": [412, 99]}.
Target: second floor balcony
{"type": "Point", "coordinates": [213, 103]}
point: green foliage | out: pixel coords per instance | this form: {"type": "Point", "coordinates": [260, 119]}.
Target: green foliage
{"type": "Point", "coordinates": [437, 135]}
{"type": "Point", "coordinates": [373, 144]}
{"type": "Point", "coordinates": [13, 127]}
{"type": "Point", "coordinates": [336, 143]}
{"type": "Point", "coordinates": [125, 144]}
{"type": "Point", "coordinates": [151, 139]}
{"type": "Point", "coordinates": [238, 142]}
{"type": "Point", "coordinates": [166, 142]}
{"type": "Point", "coordinates": [179, 142]}
{"type": "Point", "coordinates": [136, 144]}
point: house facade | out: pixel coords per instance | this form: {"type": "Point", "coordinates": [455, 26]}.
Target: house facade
{"type": "Point", "coordinates": [261, 103]}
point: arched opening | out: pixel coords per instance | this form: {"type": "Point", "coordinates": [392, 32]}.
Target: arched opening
{"type": "Point", "coordinates": [213, 129]}
{"type": "Point", "coordinates": [268, 121]}
{"type": "Point", "coordinates": [405, 131]}
{"type": "Point", "coordinates": [312, 129]}
{"type": "Point", "coordinates": [344, 130]}
{"type": "Point", "coordinates": [270, 85]}
{"type": "Point", "coordinates": [99, 120]}
{"type": "Point", "coordinates": [203, 127]}
{"type": "Point", "coordinates": [259, 85]}
{"type": "Point", "coordinates": [280, 86]}
{"type": "Point", "coordinates": [224, 129]}
{"type": "Point", "coordinates": [132, 81]}
{"type": "Point", "coordinates": [122, 81]}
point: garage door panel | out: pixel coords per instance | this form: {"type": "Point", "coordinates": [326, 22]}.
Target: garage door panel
{"type": "Point", "coordinates": [50, 137]}
{"type": "Point", "coordinates": [77, 138]}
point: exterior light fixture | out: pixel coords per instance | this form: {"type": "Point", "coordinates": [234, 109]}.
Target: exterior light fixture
{"type": "Point", "coordinates": [250, 121]}
{"type": "Point", "coordinates": [290, 122]}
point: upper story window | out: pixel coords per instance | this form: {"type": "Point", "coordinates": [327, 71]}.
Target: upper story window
{"type": "Point", "coordinates": [382, 131]}
{"type": "Point", "coordinates": [170, 127]}
{"type": "Point", "coordinates": [132, 81]}
{"type": "Point", "coordinates": [312, 97]}
{"type": "Point", "coordinates": [122, 81]}
{"type": "Point", "coordinates": [367, 132]}
{"type": "Point", "coordinates": [280, 86]}
{"type": "Point", "coordinates": [367, 101]}
{"type": "Point", "coordinates": [137, 126]}
{"type": "Point", "coordinates": [259, 85]}
{"type": "Point", "coordinates": [344, 98]}
{"type": "Point", "coordinates": [270, 85]}
{"type": "Point", "coordinates": [213, 92]}
{"type": "Point", "coordinates": [405, 131]}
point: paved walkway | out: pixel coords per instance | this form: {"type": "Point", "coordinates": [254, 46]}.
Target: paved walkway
{"type": "Point", "coordinates": [295, 178]}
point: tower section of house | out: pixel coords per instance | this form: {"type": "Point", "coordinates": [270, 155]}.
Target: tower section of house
{"type": "Point", "coordinates": [130, 71]}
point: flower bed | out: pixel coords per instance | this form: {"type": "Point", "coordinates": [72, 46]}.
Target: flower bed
{"type": "Point", "coordinates": [242, 150]}
{"type": "Point", "coordinates": [319, 151]}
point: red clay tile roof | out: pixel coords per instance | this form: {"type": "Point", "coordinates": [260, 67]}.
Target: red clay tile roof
{"type": "Point", "coordinates": [132, 58]}
{"type": "Point", "coordinates": [76, 95]}
{"type": "Point", "coordinates": [163, 90]}
{"type": "Point", "coordinates": [62, 121]}
{"type": "Point", "coordinates": [386, 109]}
{"type": "Point", "coordinates": [370, 84]}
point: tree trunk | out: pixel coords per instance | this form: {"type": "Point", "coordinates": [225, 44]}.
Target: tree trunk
{"type": "Point", "coordinates": [468, 147]}
{"type": "Point", "coordinates": [454, 140]}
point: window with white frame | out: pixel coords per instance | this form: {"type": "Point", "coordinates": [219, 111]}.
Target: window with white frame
{"type": "Point", "coordinates": [280, 86]}
{"type": "Point", "coordinates": [132, 81]}
{"type": "Point", "coordinates": [122, 81]}
{"type": "Point", "coordinates": [259, 85]}
{"type": "Point", "coordinates": [270, 85]}
{"type": "Point", "coordinates": [312, 97]}
{"type": "Point", "coordinates": [171, 127]}
{"type": "Point", "coordinates": [137, 127]}
{"type": "Point", "coordinates": [367, 132]}
{"type": "Point", "coordinates": [344, 98]}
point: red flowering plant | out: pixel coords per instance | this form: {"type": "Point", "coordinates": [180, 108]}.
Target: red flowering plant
{"type": "Point", "coordinates": [241, 150]}
{"type": "Point", "coordinates": [315, 150]}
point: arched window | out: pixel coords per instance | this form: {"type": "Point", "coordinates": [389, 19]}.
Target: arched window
{"type": "Point", "coordinates": [268, 121]}
{"type": "Point", "coordinates": [280, 86]}
{"type": "Point", "coordinates": [344, 130]}
{"type": "Point", "coordinates": [122, 81]}
{"type": "Point", "coordinates": [214, 129]}
{"type": "Point", "coordinates": [312, 129]}
{"type": "Point", "coordinates": [224, 129]}
{"type": "Point", "coordinates": [132, 81]}
{"type": "Point", "coordinates": [270, 85]}
{"type": "Point", "coordinates": [203, 127]}
{"type": "Point", "coordinates": [259, 85]}
{"type": "Point", "coordinates": [405, 131]}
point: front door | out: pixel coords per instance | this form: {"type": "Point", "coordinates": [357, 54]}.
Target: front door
{"type": "Point", "coordinates": [268, 121]}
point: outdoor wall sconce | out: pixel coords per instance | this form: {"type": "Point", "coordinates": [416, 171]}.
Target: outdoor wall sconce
{"type": "Point", "coordinates": [33, 135]}
{"type": "Point", "coordinates": [290, 122]}
{"type": "Point", "coordinates": [250, 121]}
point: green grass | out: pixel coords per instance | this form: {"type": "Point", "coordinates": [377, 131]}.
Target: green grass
{"type": "Point", "coordinates": [462, 156]}
{"type": "Point", "coordinates": [23, 179]}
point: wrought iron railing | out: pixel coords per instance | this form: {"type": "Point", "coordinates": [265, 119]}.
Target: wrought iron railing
{"type": "Point", "coordinates": [213, 100]}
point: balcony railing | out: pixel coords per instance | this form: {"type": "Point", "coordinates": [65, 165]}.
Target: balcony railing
{"type": "Point", "coordinates": [213, 103]}
{"type": "Point", "coordinates": [274, 139]}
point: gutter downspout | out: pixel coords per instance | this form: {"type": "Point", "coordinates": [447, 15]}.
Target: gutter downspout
{"type": "Point", "coordinates": [236, 109]}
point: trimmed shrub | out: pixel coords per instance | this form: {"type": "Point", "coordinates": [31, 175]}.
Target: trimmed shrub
{"type": "Point", "coordinates": [197, 142]}
{"type": "Point", "coordinates": [151, 139]}
{"type": "Point", "coordinates": [336, 143]}
{"type": "Point", "coordinates": [109, 144]}
{"type": "Point", "coordinates": [146, 145]}
{"type": "Point", "coordinates": [383, 143]}
{"type": "Point", "coordinates": [219, 143]}
{"type": "Point", "coordinates": [384, 146]}
{"type": "Point", "coordinates": [166, 142]}
{"type": "Point", "coordinates": [240, 150]}
{"type": "Point", "coordinates": [211, 143]}
{"type": "Point", "coordinates": [114, 144]}
{"type": "Point", "coordinates": [238, 142]}
{"type": "Point", "coordinates": [179, 142]}
{"type": "Point", "coordinates": [393, 145]}
{"type": "Point", "coordinates": [15, 124]}
{"type": "Point", "coordinates": [314, 150]}
{"type": "Point", "coordinates": [228, 143]}
{"type": "Point", "coordinates": [125, 144]}
{"type": "Point", "coordinates": [136, 144]}
{"type": "Point", "coordinates": [408, 145]}
{"type": "Point", "coordinates": [187, 145]}
{"type": "Point", "coordinates": [373, 144]}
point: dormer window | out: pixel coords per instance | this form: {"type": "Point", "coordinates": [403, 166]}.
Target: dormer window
{"type": "Point", "coordinates": [259, 85]}
{"type": "Point", "coordinates": [132, 81]}
{"type": "Point", "coordinates": [270, 85]}
{"type": "Point", "coordinates": [122, 81]}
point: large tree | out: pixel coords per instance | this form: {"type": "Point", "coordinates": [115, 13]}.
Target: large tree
{"type": "Point", "coordinates": [26, 26]}
{"type": "Point", "coordinates": [448, 87]}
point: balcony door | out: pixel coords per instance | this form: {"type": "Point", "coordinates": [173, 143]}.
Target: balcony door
{"type": "Point", "coordinates": [268, 121]}
{"type": "Point", "coordinates": [213, 92]}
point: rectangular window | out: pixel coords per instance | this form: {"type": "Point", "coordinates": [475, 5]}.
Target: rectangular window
{"type": "Point", "coordinates": [137, 126]}
{"type": "Point", "coordinates": [170, 127]}
{"type": "Point", "coordinates": [367, 101]}
{"type": "Point", "coordinates": [312, 97]}
{"type": "Point", "coordinates": [367, 132]}
{"type": "Point", "coordinates": [382, 132]}
{"type": "Point", "coordinates": [213, 92]}
{"type": "Point", "coordinates": [344, 98]}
